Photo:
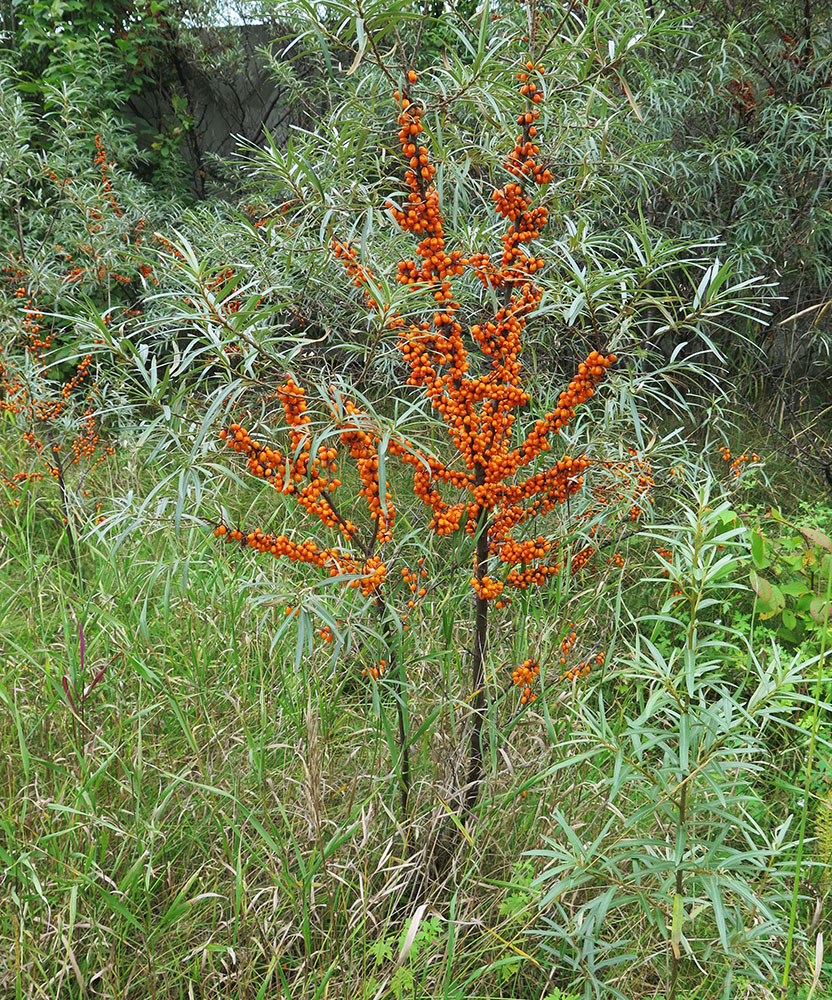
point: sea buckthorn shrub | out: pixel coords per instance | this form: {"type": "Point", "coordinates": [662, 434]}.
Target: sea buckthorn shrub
{"type": "Point", "coordinates": [450, 328]}
{"type": "Point", "coordinates": [57, 426]}
{"type": "Point", "coordinates": [494, 461]}
{"type": "Point", "coordinates": [473, 377]}
{"type": "Point", "coordinates": [691, 828]}
{"type": "Point", "coordinates": [585, 292]}
{"type": "Point", "coordinates": [78, 226]}
{"type": "Point", "coordinates": [73, 232]}
{"type": "Point", "coordinates": [89, 214]}
{"type": "Point", "coordinates": [85, 279]}
{"type": "Point", "coordinates": [611, 270]}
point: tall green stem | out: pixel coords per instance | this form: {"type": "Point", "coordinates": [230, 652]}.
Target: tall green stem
{"type": "Point", "coordinates": [805, 810]}
{"type": "Point", "coordinates": [685, 776]}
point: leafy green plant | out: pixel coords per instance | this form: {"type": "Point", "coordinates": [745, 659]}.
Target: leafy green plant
{"type": "Point", "coordinates": [790, 565]}
{"type": "Point", "coordinates": [415, 944]}
{"type": "Point", "coordinates": [822, 663]}
{"type": "Point", "coordinates": [677, 855]}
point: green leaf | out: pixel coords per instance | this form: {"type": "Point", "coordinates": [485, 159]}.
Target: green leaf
{"type": "Point", "coordinates": [761, 587]}
{"type": "Point", "coordinates": [678, 923]}
{"type": "Point", "coordinates": [714, 891]}
{"type": "Point", "coordinates": [24, 752]}
{"type": "Point", "coordinates": [485, 19]}
{"type": "Point", "coordinates": [361, 35]}
{"type": "Point", "coordinates": [774, 605]}
{"type": "Point", "coordinates": [758, 550]}
{"type": "Point", "coordinates": [382, 950]}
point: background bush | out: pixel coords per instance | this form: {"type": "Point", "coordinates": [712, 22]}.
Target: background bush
{"type": "Point", "coordinates": [199, 789]}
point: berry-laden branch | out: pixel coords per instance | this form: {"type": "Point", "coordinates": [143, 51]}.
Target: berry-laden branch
{"type": "Point", "coordinates": [313, 481]}
{"type": "Point", "coordinates": [45, 411]}
{"type": "Point", "coordinates": [479, 395]}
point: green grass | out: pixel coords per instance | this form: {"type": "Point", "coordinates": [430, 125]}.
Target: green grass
{"type": "Point", "coordinates": [221, 824]}
{"type": "Point", "coordinates": [224, 822]}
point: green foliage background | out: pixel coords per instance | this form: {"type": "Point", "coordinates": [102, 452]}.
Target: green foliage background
{"type": "Point", "coordinates": [219, 817]}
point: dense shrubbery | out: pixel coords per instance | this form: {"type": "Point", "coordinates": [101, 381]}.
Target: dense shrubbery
{"type": "Point", "coordinates": [415, 755]}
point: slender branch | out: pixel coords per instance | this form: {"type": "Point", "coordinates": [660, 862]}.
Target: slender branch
{"type": "Point", "coordinates": [67, 516]}
{"type": "Point", "coordinates": [399, 673]}
{"type": "Point", "coordinates": [475, 768]}
{"type": "Point", "coordinates": [676, 959]}
{"type": "Point", "coordinates": [379, 61]}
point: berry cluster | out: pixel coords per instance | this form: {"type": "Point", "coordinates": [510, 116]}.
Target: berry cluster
{"type": "Point", "coordinates": [738, 464]}
{"type": "Point", "coordinates": [667, 555]}
{"type": "Point", "coordinates": [100, 160]}
{"type": "Point", "coordinates": [567, 643]}
{"type": "Point", "coordinates": [480, 396]}
{"type": "Point", "coordinates": [411, 577]}
{"type": "Point", "coordinates": [583, 668]}
{"type": "Point", "coordinates": [581, 556]}
{"type": "Point", "coordinates": [312, 480]}
{"type": "Point", "coordinates": [231, 302]}
{"type": "Point", "coordinates": [742, 96]}
{"type": "Point", "coordinates": [375, 671]}
{"type": "Point", "coordinates": [524, 677]}
{"type": "Point", "coordinates": [643, 485]}
{"type": "Point", "coordinates": [363, 277]}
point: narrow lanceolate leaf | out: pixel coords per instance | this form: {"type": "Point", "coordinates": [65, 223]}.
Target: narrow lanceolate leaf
{"type": "Point", "coordinates": [714, 891]}
{"type": "Point", "coordinates": [361, 35]}
{"type": "Point", "coordinates": [631, 100]}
